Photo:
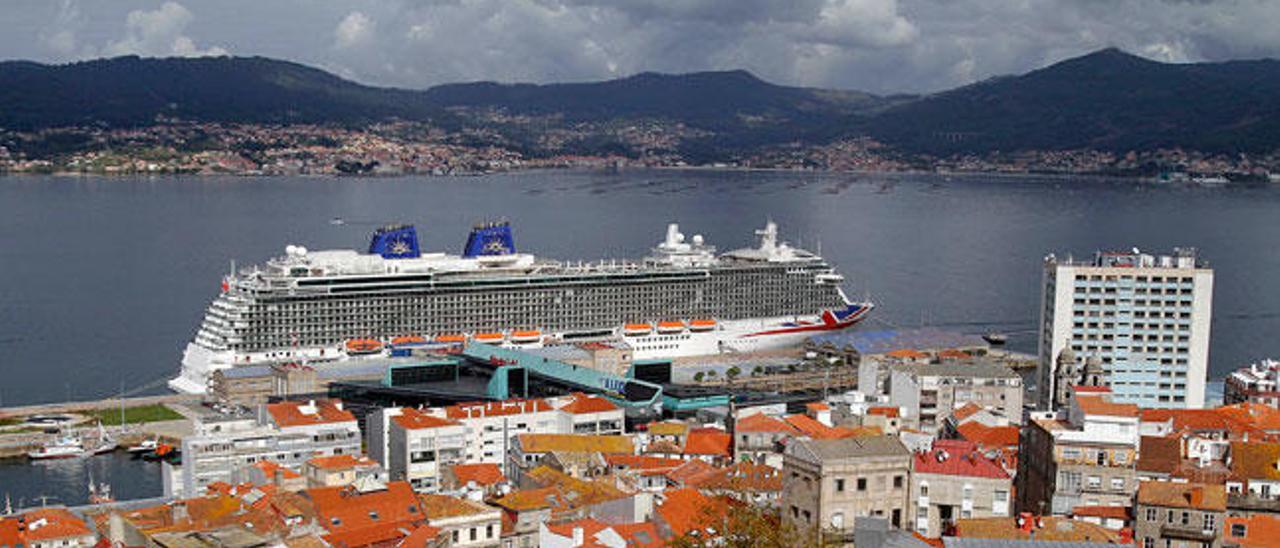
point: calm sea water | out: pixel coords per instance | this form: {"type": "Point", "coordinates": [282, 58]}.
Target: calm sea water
{"type": "Point", "coordinates": [104, 280]}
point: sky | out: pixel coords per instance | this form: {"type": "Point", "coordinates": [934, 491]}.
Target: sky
{"type": "Point", "coordinates": [881, 46]}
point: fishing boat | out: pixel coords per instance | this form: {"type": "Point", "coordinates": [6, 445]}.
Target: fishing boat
{"type": "Point", "coordinates": [995, 338]}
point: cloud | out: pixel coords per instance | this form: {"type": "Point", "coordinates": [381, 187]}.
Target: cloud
{"type": "Point", "coordinates": [355, 29]}
{"type": "Point", "coordinates": [159, 32]}
{"type": "Point", "coordinates": [883, 46]}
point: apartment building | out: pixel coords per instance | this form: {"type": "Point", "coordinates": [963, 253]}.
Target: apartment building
{"type": "Point", "coordinates": [954, 480]}
{"type": "Point", "coordinates": [930, 392]}
{"type": "Point", "coordinates": [285, 433]}
{"type": "Point", "coordinates": [1179, 515]}
{"type": "Point", "coordinates": [1146, 318]}
{"type": "Point", "coordinates": [1084, 456]}
{"type": "Point", "coordinates": [829, 482]}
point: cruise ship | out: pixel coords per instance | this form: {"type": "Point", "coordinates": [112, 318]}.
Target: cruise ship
{"type": "Point", "coordinates": [684, 299]}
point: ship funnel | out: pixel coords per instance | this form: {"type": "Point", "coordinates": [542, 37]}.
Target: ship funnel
{"type": "Point", "coordinates": [395, 242]}
{"type": "Point", "coordinates": [490, 239]}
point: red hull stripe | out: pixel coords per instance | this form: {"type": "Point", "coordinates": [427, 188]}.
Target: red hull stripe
{"type": "Point", "coordinates": [827, 325]}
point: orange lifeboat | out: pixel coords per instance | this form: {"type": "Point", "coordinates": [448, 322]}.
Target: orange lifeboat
{"type": "Point", "coordinates": [670, 327]}
{"type": "Point", "coordinates": [450, 339]}
{"type": "Point", "coordinates": [363, 346]}
{"type": "Point", "coordinates": [408, 339]}
{"type": "Point", "coordinates": [528, 336]}
{"type": "Point", "coordinates": [636, 329]}
{"type": "Point", "coordinates": [702, 325]}
{"type": "Point", "coordinates": [495, 337]}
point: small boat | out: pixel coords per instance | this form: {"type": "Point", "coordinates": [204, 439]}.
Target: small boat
{"type": "Point", "coordinates": [494, 337]}
{"type": "Point", "coordinates": [670, 327]}
{"type": "Point", "coordinates": [337, 221]}
{"type": "Point", "coordinates": [103, 444]}
{"type": "Point", "coordinates": [65, 447]}
{"type": "Point", "coordinates": [636, 329]}
{"type": "Point", "coordinates": [996, 338]}
{"type": "Point", "coordinates": [702, 325]}
{"type": "Point", "coordinates": [407, 340]}
{"type": "Point", "coordinates": [144, 446]}
{"type": "Point", "coordinates": [99, 493]}
{"type": "Point", "coordinates": [528, 336]}
{"type": "Point", "coordinates": [363, 346]}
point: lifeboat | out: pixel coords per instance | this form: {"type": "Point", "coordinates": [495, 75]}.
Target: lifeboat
{"type": "Point", "coordinates": [408, 340]}
{"type": "Point", "coordinates": [363, 346]}
{"type": "Point", "coordinates": [529, 336]}
{"type": "Point", "coordinates": [495, 337]}
{"type": "Point", "coordinates": [670, 327]}
{"type": "Point", "coordinates": [702, 325]}
{"type": "Point", "coordinates": [636, 329]}
{"type": "Point", "coordinates": [451, 339]}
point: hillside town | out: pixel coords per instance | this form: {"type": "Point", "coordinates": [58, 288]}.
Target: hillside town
{"type": "Point", "coordinates": [496, 142]}
{"type": "Point", "coordinates": [867, 438]}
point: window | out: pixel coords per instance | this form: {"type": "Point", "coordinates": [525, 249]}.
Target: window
{"type": "Point", "coordinates": [1117, 483]}
{"type": "Point", "coordinates": [488, 531]}
{"type": "Point", "coordinates": [1239, 530]}
{"type": "Point", "coordinates": [862, 484]}
{"type": "Point", "coordinates": [473, 533]}
{"type": "Point", "coordinates": [839, 485]}
{"type": "Point", "coordinates": [1210, 522]}
{"type": "Point", "coordinates": [924, 489]}
{"type": "Point", "coordinates": [897, 482]}
{"type": "Point", "coordinates": [1148, 543]}
{"type": "Point", "coordinates": [1151, 514]}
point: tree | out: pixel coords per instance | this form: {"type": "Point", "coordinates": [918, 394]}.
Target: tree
{"type": "Point", "coordinates": [733, 372]}
{"type": "Point", "coordinates": [697, 377]}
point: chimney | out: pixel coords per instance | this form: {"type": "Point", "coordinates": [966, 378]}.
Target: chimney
{"type": "Point", "coordinates": [578, 539]}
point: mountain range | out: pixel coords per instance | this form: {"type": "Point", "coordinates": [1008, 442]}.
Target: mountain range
{"type": "Point", "coordinates": [1106, 100]}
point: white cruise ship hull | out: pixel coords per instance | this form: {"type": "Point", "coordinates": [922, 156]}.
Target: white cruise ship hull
{"type": "Point", "coordinates": [740, 336]}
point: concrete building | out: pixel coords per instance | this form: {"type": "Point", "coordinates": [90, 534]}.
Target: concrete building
{"type": "Point", "coordinates": [418, 446]}
{"type": "Point", "coordinates": [1146, 318]}
{"type": "Point", "coordinates": [286, 433]}
{"type": "Point", "coordinates": [955, 481]}
{"type": "Point", "coordinates": [931, 392]}
{"type": "Point", "coordinates": [1179, 515]}
{"type": "Point", "coordinates": [827, 483]}
{"type": "Point", "coordinates": [1256, 383]}
{"type": "Point", "coordinates": [1086, 456]}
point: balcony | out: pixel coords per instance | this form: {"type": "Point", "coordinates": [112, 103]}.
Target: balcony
{"type": "Point", "coordinates": [1188, 532]}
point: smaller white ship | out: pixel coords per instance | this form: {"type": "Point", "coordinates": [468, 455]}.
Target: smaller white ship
{"type": "Point", "coordinates": [66, 447]}
{"type": "Point", "coordinates": [144, 446]}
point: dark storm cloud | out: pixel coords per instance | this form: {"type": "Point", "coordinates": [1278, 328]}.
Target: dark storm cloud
{"type": "Point", "coordinates": [877, 45]}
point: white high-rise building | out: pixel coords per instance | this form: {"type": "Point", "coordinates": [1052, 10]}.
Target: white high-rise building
{"type": "Point", "coordinates": [1145, 317]}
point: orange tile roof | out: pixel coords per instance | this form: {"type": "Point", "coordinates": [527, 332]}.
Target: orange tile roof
{"type": "Point", "coordinates": [814, 429]}
{"type": "Point", "coordinates": [686, 510]}
{"type": "Point", "coordinates": [641, 462]}
{"type": "Point", "coordinates": [760, 422]}
{"type": "Point", "coordinates": [643, 534]}
{"type": "Point", "coordinates": [583, 404]}
{"type": "Point", "coordinates": [1100, 405]}
{"type": "Point", "coordinates": [1262, 417]}
{"type": "Point", "coordinates": [420, 537]}
{"type": "Point", "coordinates": [575, 443]}
{"type": "Point", "coordinates": [346, 509]}
{"type": "Point", "coordinates": [270, 469]}
{"type": "Point", "coordinates": [1255, 461]}
{"type": "Point", "coordinates": [906, 353]}
{"type": "Point", "coordinates": [291, 413]}
{"type": "Point", "coordinates": [494, 409]}
{"type": "Point", "coordinates": [1052, 528]}
{"type": "Point", "coordinates": [444, 506]}
{"type": "Point", "coordinates": [989, 436]}
{"type": "Point", "coordinates": [709, 441]}
{"type": "Point", "coordinates": [692, 473]}
{"type": "Point", "coordinates": [481, 473]}
{"type": "Point", "coordinates": [590, 527]}
{"type": "Point", "coordinates": [1107, 512]}
{"type": "Point", "coordinates": [340, 462]}
{"type": "Point", "coordinates": [522, 500]}
{"type": "Point", "coordinates": [1196, 496]}
{"type": "Point", "coordinates": [58, 524]}
{"type": "Point", "coordinates": [414, 419]}
{"type": "Point", "coordinates": [1159, 455]}
{"type": "Point", "coordinates": [884, 411]}
{"type": "Point", "coordinates": [965, 411]}
{"type": "Point", "coordinates": [667, 428]}
{"type": "Point", "coordinates": [817, 406]}
{"type": "Point", "coordinates": [578, 491]}
{"type": "Point", "coordinates": [743, 477]}
{"type": "Point", "coordinates": [953, 354]}
{"type": "Point", "coordinates": [1260, 531]}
